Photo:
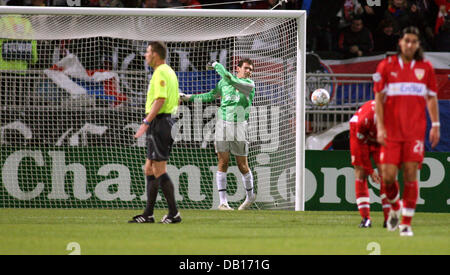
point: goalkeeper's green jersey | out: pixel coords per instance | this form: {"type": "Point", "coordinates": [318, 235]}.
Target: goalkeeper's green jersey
{"type": "Point", "coordinates": [236, 95]}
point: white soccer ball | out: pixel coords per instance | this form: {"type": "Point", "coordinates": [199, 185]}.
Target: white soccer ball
{"type": "Point", "coordinates": [320, 97]}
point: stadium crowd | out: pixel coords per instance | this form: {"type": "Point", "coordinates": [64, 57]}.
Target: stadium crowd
{"type": "Point", "coordinates": [349, 27]}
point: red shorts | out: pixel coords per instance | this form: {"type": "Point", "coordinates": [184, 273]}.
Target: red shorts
{"type": "Point", "coordinates": [398, 152]}
{"type": "Point", "coordinates": [361, 152]}
{"type": "Point", "coordinates": [358, 152]}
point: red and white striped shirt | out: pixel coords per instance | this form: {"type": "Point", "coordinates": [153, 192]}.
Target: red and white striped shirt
{"type": "Point", "coordinates": [406, 88]}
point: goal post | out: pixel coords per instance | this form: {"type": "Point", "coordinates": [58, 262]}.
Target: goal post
{"type": "Point", "coordinates": [301, 118]}
{"type": "Point", "coordinates": [73, 89]}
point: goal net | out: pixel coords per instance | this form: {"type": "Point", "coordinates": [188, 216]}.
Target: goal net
{"type": "Point", "coordinates": [73, 90]}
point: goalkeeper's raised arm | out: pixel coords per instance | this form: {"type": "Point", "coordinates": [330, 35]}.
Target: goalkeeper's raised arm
{"type": "Point", "coordinates": [236, 91]}
{"type": "Point", "coordinates": [242, 82]}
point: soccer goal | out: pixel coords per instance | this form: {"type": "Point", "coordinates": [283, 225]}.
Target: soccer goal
{"type": "Point", "coordinates": [73, 89]}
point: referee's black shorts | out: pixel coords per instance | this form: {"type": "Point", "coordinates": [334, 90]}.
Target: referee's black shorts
{"type": "Point", "coordinates": [159, 139]}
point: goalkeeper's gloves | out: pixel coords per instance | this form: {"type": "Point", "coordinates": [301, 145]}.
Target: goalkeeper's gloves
{"type": "Point", "coordinates": [210, 65]}
{"type": "Point", "coordinates": [184, 97]}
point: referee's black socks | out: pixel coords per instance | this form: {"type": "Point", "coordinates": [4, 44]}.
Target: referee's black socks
{"type": "Point", "coordinates": [152, 193]}
{"type": "Point", "coordinates": [169, 193]}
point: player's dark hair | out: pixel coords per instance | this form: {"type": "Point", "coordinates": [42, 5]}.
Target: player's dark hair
{"type": "Point", "coordinates": [160, 48]}
{"type": "Point", "coordinates": [412, 30]}
{"type": "Point", "coordinates": [245, 60]}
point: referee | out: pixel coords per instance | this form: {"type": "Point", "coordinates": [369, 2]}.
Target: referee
{"type": "Point", "coordinates": [162, 103]}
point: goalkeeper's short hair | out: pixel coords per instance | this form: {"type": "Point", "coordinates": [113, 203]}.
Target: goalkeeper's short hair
{"type": "Point", "coordinates": [245, 60]}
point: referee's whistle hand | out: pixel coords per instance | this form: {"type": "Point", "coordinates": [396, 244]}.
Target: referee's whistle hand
{"type": "Point", "coordinates": [141, 131]}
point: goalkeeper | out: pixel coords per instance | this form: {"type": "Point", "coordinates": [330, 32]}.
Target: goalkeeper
{"type": "Point", "coordinates": [236, 93]}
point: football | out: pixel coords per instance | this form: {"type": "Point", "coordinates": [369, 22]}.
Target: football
{"type": "Point", "coordinates": [320, 97]}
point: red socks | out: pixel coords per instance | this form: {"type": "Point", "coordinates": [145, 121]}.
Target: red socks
{"type": "Point", "coordinates": [390, 197]}
{"type": "Point", "coordinates": [393, 195]}
{"type": "Point", "coordinates": [362, 198]}
{"type": "Point", "coordinates": [410, 195]}
{"type": "Point", "coordinates": [386, 206]}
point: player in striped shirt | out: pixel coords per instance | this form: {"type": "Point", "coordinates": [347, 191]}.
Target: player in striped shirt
{"type": "Point", "coordinates": [405, 86]}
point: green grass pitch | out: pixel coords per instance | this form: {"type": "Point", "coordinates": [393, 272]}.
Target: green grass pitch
{"type": "Point", "coordinates": [204, 232]}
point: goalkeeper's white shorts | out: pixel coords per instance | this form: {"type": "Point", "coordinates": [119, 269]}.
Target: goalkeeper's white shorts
{"type": "Point", "coordinates": [231, 137]}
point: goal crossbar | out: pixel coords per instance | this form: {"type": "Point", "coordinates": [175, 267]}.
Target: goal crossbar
{"type": "Point", "coordinates": [151, 12]}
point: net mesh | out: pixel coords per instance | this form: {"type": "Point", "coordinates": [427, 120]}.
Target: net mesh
{"type": "Point", "coordinates": [73, 91]}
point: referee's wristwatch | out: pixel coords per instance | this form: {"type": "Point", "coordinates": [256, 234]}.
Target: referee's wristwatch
{"type": "Point", "coordinates": [146, 122]}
